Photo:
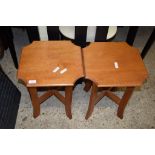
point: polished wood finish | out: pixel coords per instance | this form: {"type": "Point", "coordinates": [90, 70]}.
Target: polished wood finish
{"type": "Point", "coordinates": [124, 101]}
{"type": "Point", "coordinates": [88, 85]}
{"type": "Point", "coordinates": [121, 102]}
{"type": "Point", "coordinates": [40, 58]}
{"type": "Point", "coordinates": [99, 64]}
{"type": "Point", "coordinates": [99, 59]}
{"type": "Point", "coordinates": [113, 97]}
{"type": "Point", "coordinates": [38, 61]}
{"type": "Point", "coordinates": [36, 100]}
{"type": "Point", "coordinates": [92, 101]}
{"type": "Point", "coordinates": [68, 101]}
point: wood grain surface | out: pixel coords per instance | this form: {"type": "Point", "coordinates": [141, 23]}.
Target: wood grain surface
{"type": "Point", "coordinates": [39, 59]}
{"type": "Point", "coordinates": [99, 59]}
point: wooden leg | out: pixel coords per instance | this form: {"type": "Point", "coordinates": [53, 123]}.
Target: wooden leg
{"type": "Point", "coordinates": [35, 101]}
{"type": "Point", "coordinates": [124, 101]}
{"type": "Point", "coordinates": [88, 85]}
{"type": "Point", "coordinates": [92, 101]}
{"type": "Point", "coordinates": [68, 100]}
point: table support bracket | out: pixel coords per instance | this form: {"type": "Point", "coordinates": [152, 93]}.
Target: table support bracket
{"type": "Point", "coordinates": [121, 102]}
{"type": "Point", "coordinates": [37, 100]}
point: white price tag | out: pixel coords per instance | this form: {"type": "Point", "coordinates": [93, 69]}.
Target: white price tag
{"type": "Point", "coordinates": [56, 69]}
{"type": "Point", "coordinates": [32, 81]}
{"type": "Point", "coordinates": [116, 65]}
{"type": "Point", "coordinates": [63, 71]}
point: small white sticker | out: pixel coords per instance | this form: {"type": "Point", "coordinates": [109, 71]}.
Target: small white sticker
{"type": "Point", "coordinates": [56, 69]}
{"type": "Point", "coordinates": [32, 81]}
{"type": "Point", "coordinates": [63, 71]}
{"type": "Point", "coordinates": [116, 65]}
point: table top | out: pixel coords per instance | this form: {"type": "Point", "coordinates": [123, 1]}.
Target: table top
{"type": "Point", "coordinates": [114, 64]}
{"type": "Point", "coordinates": [39, 62]}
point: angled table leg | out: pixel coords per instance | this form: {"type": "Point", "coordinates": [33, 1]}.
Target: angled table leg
{"type": "Point", "coordinates": [68, 100]}
{"type": "Point", "coordinates": [92, 100]}
{"type": "Point", "coordinates": [127, 94]}
{"type": "Point", "coordinates": [35, 101]}
{"type": "Point", "coordinates": [88, 85]}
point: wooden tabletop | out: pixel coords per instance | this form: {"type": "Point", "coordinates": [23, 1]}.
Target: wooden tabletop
{"type": "Point", "coordinates": [39, 59]}
{"type": "Point", "coordinates": [114, 64]}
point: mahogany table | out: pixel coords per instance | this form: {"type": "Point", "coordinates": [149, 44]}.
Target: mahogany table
{"type": "Point", "coordinates": [112, 64]}
{"type": "Point", "coordinates": [38, 67]}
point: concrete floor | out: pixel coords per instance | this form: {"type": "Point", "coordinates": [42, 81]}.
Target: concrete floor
{"type": "Point", "coordinates": [139, 113]}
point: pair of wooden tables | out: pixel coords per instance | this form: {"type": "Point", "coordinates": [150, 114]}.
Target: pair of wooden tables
{"type": "Point", "coordinates": [55, 64]}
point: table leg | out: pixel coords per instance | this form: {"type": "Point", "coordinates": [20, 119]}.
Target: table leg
{"type": "Point", "coordinates": [35, 101]}
{"type": "Point", "coordinates": [68, 100]}
{"type": "Point", "coordinates": [88, 85]}
{"type": "Point", "coordinates": [127, 94]}
{"type": "Point", "coordinates": [92, 100]}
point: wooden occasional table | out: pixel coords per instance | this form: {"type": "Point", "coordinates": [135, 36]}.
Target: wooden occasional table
{"type": "Point", "coordinates": [112, 64]}
{"type": "Point", "coordinates": [38, 68]}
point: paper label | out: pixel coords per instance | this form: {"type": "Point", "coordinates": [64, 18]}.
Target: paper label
{"type": "Point", "coordinates": [116, 65]}
{"type": "Point", "coordinates": [63, 71]}
{"type": "Point", "coordinates": [56, 69]}
{"type": "Point", "coordinates": [32, 81]}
